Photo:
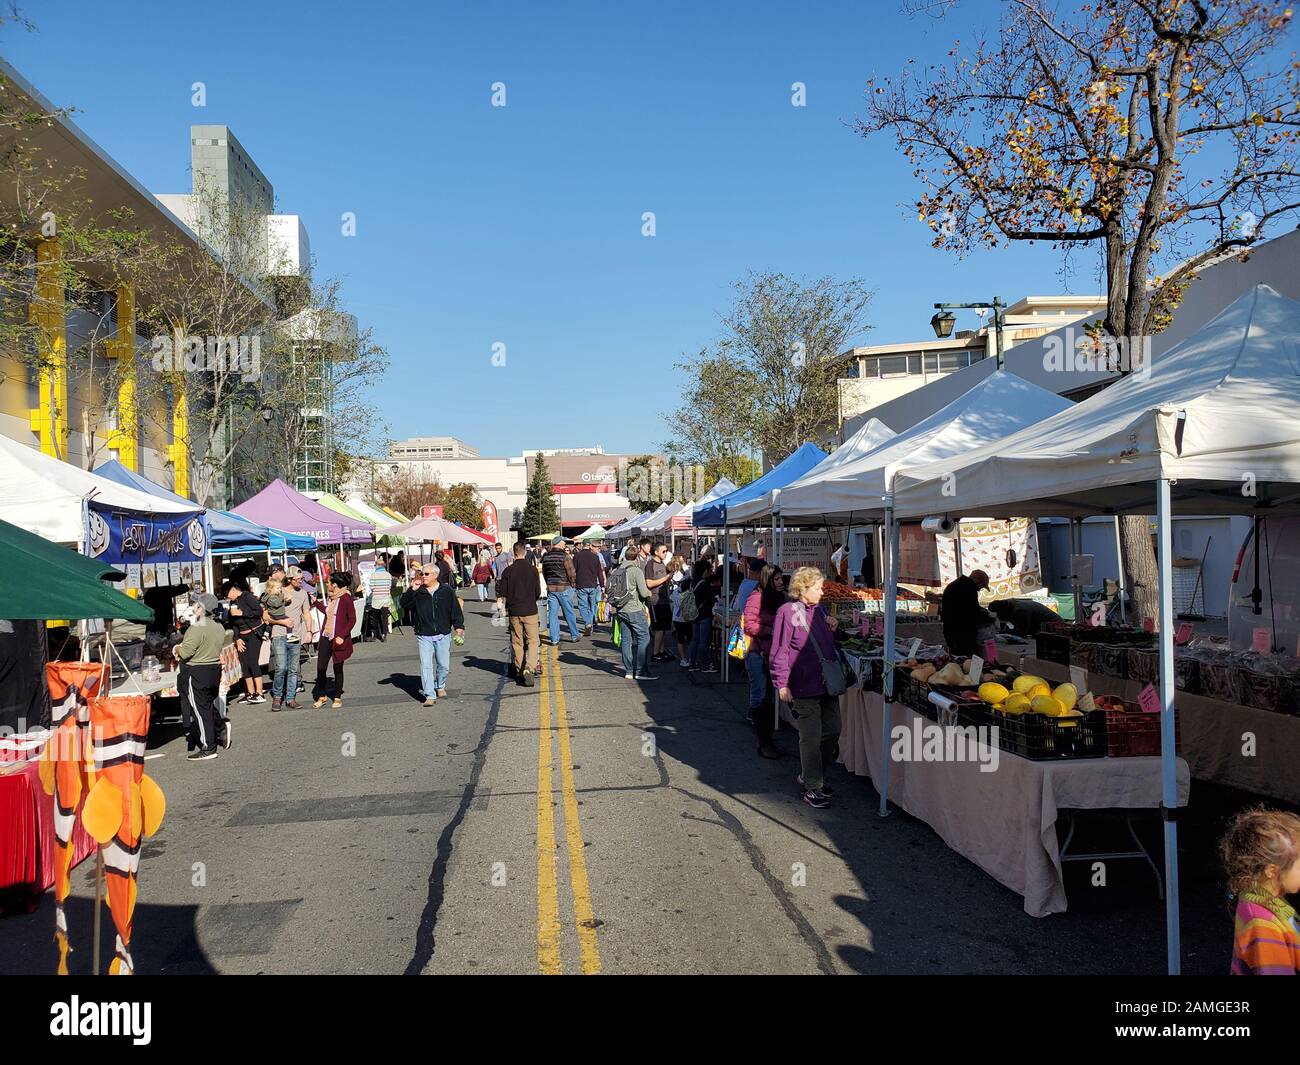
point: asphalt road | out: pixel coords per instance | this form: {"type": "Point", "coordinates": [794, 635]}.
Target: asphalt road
{"type": "Point", "coordinates": [586, 825]}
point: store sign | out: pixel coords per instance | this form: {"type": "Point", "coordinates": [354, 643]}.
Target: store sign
{"type": "Point", "coordinates": [431, 512]}
{"type": "Point", "coordinates": [153, 550]}
{"type": "Point", "coordinates": [590, 488]}
{"type": "Point", "coordinates": [805, 549]}
{"type": "Point", "coordinates": [490, 518]}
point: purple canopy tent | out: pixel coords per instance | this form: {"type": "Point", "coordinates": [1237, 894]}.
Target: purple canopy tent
{"type": "Point", "coordinates": [282, 507]}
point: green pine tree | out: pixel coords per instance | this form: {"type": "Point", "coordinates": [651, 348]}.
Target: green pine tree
{"type": "Point", "coordinates": [541, 512]}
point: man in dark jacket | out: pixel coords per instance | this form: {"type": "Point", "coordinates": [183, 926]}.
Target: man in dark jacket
{"type": "Point", "coordinates": [560, 577]}
{"type": "Point", "coordinates": [520, 588]}
{"type": "Point", "coordinates": [437, 614]}
{"type": "Point", "coordinates": [962, 613]}
{"type": "Point", "coordinates": [591, 576]}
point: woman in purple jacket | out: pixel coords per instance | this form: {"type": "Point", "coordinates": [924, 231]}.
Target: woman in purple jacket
{"type": "Point", "coordinates": [796, 666]}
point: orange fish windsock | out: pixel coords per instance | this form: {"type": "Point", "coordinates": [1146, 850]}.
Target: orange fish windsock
{"type": "Point", "coordinates": [63, 773]}
{"type": "Point", "coordinates": [122, 807]}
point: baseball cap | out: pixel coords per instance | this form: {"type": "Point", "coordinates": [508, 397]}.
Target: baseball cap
{"type": "Point", "coordinates": [293, 572]}
{"type": "Point", "coordinates": [207, 601]}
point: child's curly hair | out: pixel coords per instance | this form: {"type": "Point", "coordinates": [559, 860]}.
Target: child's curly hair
{"type": "Point", "coordinates": [1257, 838]}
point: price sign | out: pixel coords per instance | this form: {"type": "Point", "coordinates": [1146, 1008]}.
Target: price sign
{"type": "Point", "coordinates": [914, 647]}
{"type": "Point", "coordinates": [976, 669]}
{"type": "Point", "coordinates": [1149, 700]}
{"type": "Point", "coordinates": [1262, 641]}
{"type": "Point", "coordinates": [1183, 634]}
{"type": "Point", "coordinates": [990, 651]}
{"type": "Point", "coordinates": [1148, 624]}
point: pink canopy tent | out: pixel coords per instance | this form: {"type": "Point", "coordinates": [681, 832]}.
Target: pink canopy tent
{"type": "Point", "coordinates": [436, 531]}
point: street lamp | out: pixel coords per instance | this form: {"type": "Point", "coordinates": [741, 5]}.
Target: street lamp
{"type": "Point", "coordinates": [944, 320]}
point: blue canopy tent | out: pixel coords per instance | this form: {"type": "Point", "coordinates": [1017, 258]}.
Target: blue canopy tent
{"type": "Point", "coordinates": [227, 533]}
{"type": "Point", "coordinates": [714, 515]}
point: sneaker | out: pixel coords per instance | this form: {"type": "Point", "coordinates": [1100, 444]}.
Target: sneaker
{"type": "Point", "coordinates": [648, 676]}
{"type": "Point", "coordinates": [825, 789]}
{"type": "Point", "coordinates": [442, 693]}
{"type": "Point", "coordinates": [709, 669]}
{"type": "Point", "coordinates": [768, 750]}
{"type": "Point", "coordinates": [816, 799]}
{"type": "Point", "coordinates": [275, 704]}
{"type": "Point", "coordinates": [430, 702]}
{"type": "Point", "coordinates": [202, 754]}
{"type": "Point", "coordinates": [292, 704]}
{"type": "Point", "coordinates": [301, 688]}
{"type": "Point", "coordinates": [628, 676]}
{"type": "Point", "coordinates": [528, 680]}
{"type": "Point", "coordinates": [685, 663]}
{"type": "Point", "coordinates": [255, 700]}
{"type": "Point", "coordinates": [225, 735]}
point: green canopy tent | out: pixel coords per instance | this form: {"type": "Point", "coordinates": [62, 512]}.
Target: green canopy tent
{"type": "Point", "coordinates": [41, 581]}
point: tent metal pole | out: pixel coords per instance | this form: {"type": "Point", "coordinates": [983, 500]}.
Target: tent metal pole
{"type": "Point", "coordinates": [1123, 583]}
{"type": "Point", "coordinates": [891, 596]}
{"type": "Point", "coordinates": [1168, 755]}
{"type": "Point", "coordinates": [726, 598]}
{"type": "Point", "coordinates": [1076, 548]}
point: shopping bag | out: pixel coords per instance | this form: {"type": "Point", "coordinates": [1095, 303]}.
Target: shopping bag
{"type": "Point", "coordinates": [618, 633]}
{"type": "Point", "coordinates": [602, 611]}
{"type": "Point", "coordinates": [737, 642]}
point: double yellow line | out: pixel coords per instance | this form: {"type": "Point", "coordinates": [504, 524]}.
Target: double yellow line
{"type": "Point", "coordinates": [548, 900]}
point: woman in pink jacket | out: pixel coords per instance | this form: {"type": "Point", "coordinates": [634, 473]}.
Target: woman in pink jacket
{"type": "Point", "coordinates": [803, 637]}
{"type": "Point", "coordinates": [759, 616]}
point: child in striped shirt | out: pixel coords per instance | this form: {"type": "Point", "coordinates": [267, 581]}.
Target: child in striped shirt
{"type": "Point", "coordinates": [1261, 854]}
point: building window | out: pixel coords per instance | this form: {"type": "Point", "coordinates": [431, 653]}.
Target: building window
{"type": "Point", "coordinates": [914, 364]}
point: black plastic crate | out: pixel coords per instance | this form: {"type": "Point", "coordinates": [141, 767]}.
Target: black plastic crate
{"type": "Point", "coordinates": [1053, 647]}
{"type": "Point", "coordinates": [1042, 739]}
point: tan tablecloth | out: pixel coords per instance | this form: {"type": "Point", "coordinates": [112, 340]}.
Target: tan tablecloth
{"type": "Point", "coordinates": [1004, 821]}
{"type": "Point", "coordinates": [1224, 742]}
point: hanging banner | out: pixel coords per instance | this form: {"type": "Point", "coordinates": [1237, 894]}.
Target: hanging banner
{"type": "Point", "coordinates": [430, 511]}
{"type": "Point", "coordinates": [490, 518]}
{"type": "Point", "coordinates": [151, 542]}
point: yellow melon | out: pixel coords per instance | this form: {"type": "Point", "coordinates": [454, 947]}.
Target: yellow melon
{"type": "Point", "coordinates": [1067, 695]}
{"type": "Point", "coordinates": [1045, 704]}
{"type": "Point", "coordinates": [1022, 684]}
{"type": "Point", "coordinates": [992, 692]}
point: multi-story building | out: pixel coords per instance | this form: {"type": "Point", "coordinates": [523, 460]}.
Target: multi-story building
{"type": "Point", "coordinates": [432, 447]}
{"type": "Point", "coordinates": [879, 373]}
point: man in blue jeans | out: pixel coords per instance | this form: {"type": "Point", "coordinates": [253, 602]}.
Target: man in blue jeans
{"type": "Point", "coordinates": [287, 637]}
{"type": "Point", "coordinates": [590, 576]}
{"type": "Point", "coordinates": [634, 624]}
{"type": "Point", "coordinates": [437, 616]}
{"type": "Point", "coordinates": [560, 577]}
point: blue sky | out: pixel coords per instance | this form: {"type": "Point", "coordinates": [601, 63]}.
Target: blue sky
{"type": "Point", "coordinates": [522, 225]}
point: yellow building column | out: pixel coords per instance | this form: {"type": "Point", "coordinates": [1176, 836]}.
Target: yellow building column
{"type": "Point", "coordinates": [125, 439]}
{"type": "Point", "coordinates": [179, 451]}
{"type": "Point", "coordinates": [49, 315]}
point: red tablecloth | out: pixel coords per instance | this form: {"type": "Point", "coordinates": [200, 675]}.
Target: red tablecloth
{"type": "Point", "coordinates": [27, 840]}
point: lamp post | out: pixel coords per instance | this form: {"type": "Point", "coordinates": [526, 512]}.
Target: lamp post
{"type": "Point", "coordinates": [944, 320]}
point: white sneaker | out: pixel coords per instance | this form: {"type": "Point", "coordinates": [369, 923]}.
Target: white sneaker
{"type": "Point", "coordinates": [628, 676]}
{"type": "Point", "coordinates": [684, 662]}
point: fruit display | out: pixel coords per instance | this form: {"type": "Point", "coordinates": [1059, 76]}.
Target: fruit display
{"type": "Point", "coordinates": [834, 590]}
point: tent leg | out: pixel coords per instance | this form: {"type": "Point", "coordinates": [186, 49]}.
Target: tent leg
{"type": "Point", "coordinates": [1076, 548]}
{"type": "Point", "coordinates": [891, 595]}
{"type": "Point", "coordinates": [726, 603]}
{"type": "Point", "coordinates": [1119, 556]}
{"type": "Point", "coordinates": [1168, 754]}
{"type": "Point", "coordinates": [207, 573]}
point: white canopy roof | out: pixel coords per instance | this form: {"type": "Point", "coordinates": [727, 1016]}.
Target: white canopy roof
{"type": "Point", "coordinates": [870, 436]}
{"type": "Point", "coordinates": [724, 487]}
{"type": "Point", "coordinates": [661, 517]}
{"type": "Point", "coordinates": [1000, 404]}
{"type": "Point", "coordinates": [1218, 412]}
{"type": "Point", "coordinates": [43, 495]}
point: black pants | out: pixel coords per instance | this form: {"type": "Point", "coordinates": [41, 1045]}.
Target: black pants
{"type": "Point", "coordinates": [250, 656]}
{"type": "Point", "coordinates": [198, 687]}
{"type": "Point", "coordinates": [375, 624]}
{"type": "Point", "coordinates": [323, 659]}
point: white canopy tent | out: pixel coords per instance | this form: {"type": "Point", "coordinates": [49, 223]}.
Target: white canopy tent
{"type": "Point", "coordinates": [1213, 426]}
{"type": "Point", "coordinates": [724, 487]}
{"type": "Point", "coordinates": [870, 437]}
{"type": "Point", "coordinates": [661, 519]}
{"type": "Point", "coordinates": [593, 532]}
{"type": "Point", "coordinates": [857, 487]}
{"type": "Point", "coordinates": [43, 495]}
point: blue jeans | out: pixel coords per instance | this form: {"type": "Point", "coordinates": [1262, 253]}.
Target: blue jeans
{"type": "Point", "coordinates": [700, 633]}
{"type": "Point", "coordinates": [587, 600]}
{"type": "Point", "coordinates": [756, 671]}
{"type": "Point", "coordinates": [435, 663]}
{"type": "Point", "coordinates": [634, 641]}
{"type": "Point", "coordinates": [555, 601]}
{"type": "Point", "coordinates": [284, 663]}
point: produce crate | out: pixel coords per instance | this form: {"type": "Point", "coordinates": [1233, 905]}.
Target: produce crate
{"type": "Point", "coordinates": [1043, 739]}
{"type": "Point", "coordinates": [1134, 734]}
{"type": "Point", "coordinates": [1144, 665]}
{"type": "Point", "coordinates": [1187, 674]}
{"type": "Point", "coordinates": [1221, 680]}
{"type": "Point", "coordinates": [1053, 647]}
{"type": "Point", "coordinates": [1110, 659]}
{"type": "Point", "coordinates": [1275, 692]}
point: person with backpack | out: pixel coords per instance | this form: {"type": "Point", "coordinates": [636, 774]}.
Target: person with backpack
{"type": "Point", "coordinates": [758, 619]}
{"type": "Point", "coordinates": [628, 596]}
{"type": "Point", "coordinates": [697, 605]}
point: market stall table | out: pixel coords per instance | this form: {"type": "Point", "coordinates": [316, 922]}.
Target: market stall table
{"type": "Point", "coordinates": [1003, 821]}
{"type": "Point", "coordinates": [27, 837]}
{"type": "Point", "coordinates": [1215, 735]}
